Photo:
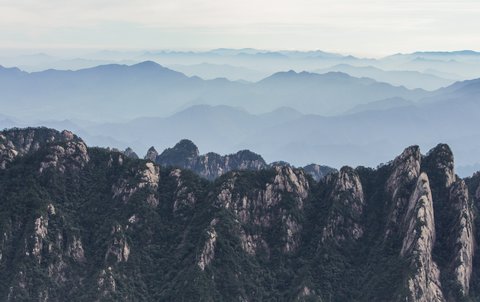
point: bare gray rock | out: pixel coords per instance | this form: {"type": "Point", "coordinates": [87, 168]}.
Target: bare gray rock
{"type": "Point", "coordinates": [348, 205]}
{"type": "Point", "coordinates": [423, 284]}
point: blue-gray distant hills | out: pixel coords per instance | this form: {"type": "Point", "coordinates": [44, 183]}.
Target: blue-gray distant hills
{"type": "Point", "coordinates": [121, 91]}
{"type": "Point", "coordinates": [408, 78]}
{"type": "Point", "coordinates": [300, 117]}
{"type": "Point", "coordinates": [366, 137]}
{"type": "Point", "coordinates": [414, 70]}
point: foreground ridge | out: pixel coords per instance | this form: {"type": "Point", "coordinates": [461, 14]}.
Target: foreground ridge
{"type": "Point", "coordinates": [92, 224]}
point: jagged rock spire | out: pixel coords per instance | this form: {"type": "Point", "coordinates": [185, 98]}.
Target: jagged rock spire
{"type": "Point", "coordinates": [151, 154]}
{"type": "Point", "coordinates": [130, 153]}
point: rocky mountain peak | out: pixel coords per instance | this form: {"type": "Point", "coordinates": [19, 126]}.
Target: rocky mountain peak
{"type": "Point", "coordinates": [183, 154]}
{"type": "Point", "coordinates": [187, 146]}
{"type": "Point", "coordinates": [406, 168]}
{"type": "Point", "coordinates": [247, 155]}
{"type": "Point", "coordinates": [130, 153]}
{"type": "Point", "coordinates": [441, 159]}
{"type": "Point", "coordinates": [348, 180]}
{"type": "Point", "coordinates": [345, 220]}
{"type": "Point", "coordinates": [20, 142]}
{"type": "Point", "coordinates": [211, 165]}
{"type": "Point", "coordinates": [151, 154]}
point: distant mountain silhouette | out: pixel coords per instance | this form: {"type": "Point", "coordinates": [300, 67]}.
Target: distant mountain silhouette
{"type": "Point", "coordinates": [409, 79]}
{"type": "Point", "coordinates": [382, 126]}
{"type": "Point", "coordinates": [113, 91]}
{"type": "Point", "coordinates": [286, 117]}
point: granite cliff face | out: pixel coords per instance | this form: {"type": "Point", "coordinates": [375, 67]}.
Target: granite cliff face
{"type": "Point", "coordinates": [92, 224]}
{"type": "Point", "coordinates": [62, 146]}
{"type": "Point", "coordinates": [423, 284]}
{"type": "Point", "coordinates": [345, 219]}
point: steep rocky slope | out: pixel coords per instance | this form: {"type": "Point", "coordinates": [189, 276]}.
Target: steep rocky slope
{"type": "Point", "coordinates": [91, 224]}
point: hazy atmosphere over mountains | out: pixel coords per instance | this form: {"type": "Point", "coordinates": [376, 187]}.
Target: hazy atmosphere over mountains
{"type": "Point", "coordinates": [256, 150]}
{"type": "Point", "coordinates": [333, 110]}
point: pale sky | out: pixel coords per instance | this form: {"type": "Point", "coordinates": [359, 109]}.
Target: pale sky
{"type": "Point", "coordinates": [362, 27]}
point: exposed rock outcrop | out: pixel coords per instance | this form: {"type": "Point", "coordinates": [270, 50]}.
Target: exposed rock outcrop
{"type": "Point", "coordinates": [147, 179]}
{"type": "Point", "coordinates": [265, 208]}
{"type": "Point", "coordinates": [348, 204]}
{"type": "Point", "coordinates": [75, 249]}
{"type": "Point", "coordinates": [130, 153]}
{"type": "Point", "coordinates": [71, 155]}
{"type": "Point", "coordinates": [184, 197]}
{"type": "Point", "coordinates": [118, 250]}
{"type": "Point", "coordinates": [41, 231]}
{"type": "Point", "coordinates": [423, 284]}
{"type": "Point", "coordinates": [106, 284]}
{"type": "Point", "coordinates": [399, 185]}
{"type": "Point", "coordinates": [441, 160]}
{"type": "Point", "coordinates": [461, 239]}
{"type": "Point", "coordinates": [453, 208]}
{"type": "Point", "coordinates": [151, 154]}
{"type": "Point", "coordinates": [20, 142]}
{"type": "Point", "coordinates": [208, 251]}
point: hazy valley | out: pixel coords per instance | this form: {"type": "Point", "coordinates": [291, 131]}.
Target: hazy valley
{"type": "Point", "coordinates": [334, 115]}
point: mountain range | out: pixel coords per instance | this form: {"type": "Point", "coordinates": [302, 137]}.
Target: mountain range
{"type": "Point", "coordinates": [253, 64]}
{"type": "Point", "coordinates": [409, 79]}
{"type": "Point", "coordinates": [122, 91]}
{"type": "Point", "coordinates": [449, 115]}
{"type": "Point", "coordinates": [212, 165]}
{"type": "Point", "coordinates": [302, 117]}
{"type": "Point", "coordinates": [92, 224]}
{"type": "Point", "coordinates": [305, 188]}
